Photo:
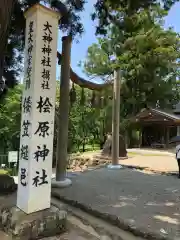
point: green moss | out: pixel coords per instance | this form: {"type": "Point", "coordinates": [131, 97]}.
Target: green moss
{"type": "Point", "coordinates": [3, 171]}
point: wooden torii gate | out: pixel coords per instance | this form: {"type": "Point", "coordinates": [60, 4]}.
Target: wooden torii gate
{"type": "Point", "coordinates": [68, 73]}
{"type": "Point", "coordinates": [83, 82]}
{"type": "Point", "coordinates": [63, 113]}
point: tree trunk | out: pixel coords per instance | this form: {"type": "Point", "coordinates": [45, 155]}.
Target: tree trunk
{"type": "Point", "coordinates": [84, 144]}
{"type": "Point", "coordinates": [62, 137]}
{"type": "Point", "coordinates": [6, 8]}
{"type": "Point", "coordinates": [115, 117]}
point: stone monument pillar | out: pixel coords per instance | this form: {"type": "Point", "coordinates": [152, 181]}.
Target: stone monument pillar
{"type": "Point", "coordinates": [38, 108]}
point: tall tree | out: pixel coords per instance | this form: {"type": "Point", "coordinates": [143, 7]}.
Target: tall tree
{"type": "Point", "coordinates": [148, 58]}
{"type": "Point", "coordinates": [104, 12]}
{"type": "Point", "coordinates": [10, 118]}
{"type": "Point", "coordinates": [6, 9]}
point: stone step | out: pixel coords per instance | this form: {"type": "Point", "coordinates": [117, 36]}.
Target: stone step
{"type": "Point", "coordinates": [93, 227]}
{"type": "Point", "coordinates": [73, 234]}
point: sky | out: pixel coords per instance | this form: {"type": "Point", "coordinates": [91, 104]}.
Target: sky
{"type": "Point", "coordinates": [79, 50]}
{"type": "Point", "coordinates": [172, 20]}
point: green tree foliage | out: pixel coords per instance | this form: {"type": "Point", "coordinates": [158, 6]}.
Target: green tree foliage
{"type": "Point", "coordinates": [105, 11]}
{"type": "Point", "coordinates": [86, 123]}
{"type": "Point", "coordinates": [70, 23]}
{"type": "Point", "coordinates": [146, 53]}
{"type": "Point", "coordinates": [148, 58]}
{"type": "Point", "coordinates": [10, 118]}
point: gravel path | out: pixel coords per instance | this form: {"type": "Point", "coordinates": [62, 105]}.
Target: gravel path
{"type": "Point", "coordinates": [145, 203]}
{"type": "Point", "coordinates": [157, 163]}
{"type": "Point", "coordinates": [4, 236]}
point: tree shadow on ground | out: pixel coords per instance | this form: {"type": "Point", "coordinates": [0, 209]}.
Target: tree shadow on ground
{"type": "Point", "coordinates": [133, 200]}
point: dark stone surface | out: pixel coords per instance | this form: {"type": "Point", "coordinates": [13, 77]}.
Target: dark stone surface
{"type": "Point", "coordinates": [108, 147]}
{"type": "Point", "coordinates": [147, 205]}
{"type": "Point", "coordinates": [7, 184]}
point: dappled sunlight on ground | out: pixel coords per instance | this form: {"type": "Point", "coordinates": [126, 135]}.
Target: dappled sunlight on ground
{"type": "Point", "coordinates": [167, 219]}
{"type": "Point", "coordinates": [142, 158]}
{"type": "Point", "coordinates": [122, 204]}
{"type": "Point", "coordinates": [168, 204]}
{"type": "Point", "coordinates": [137, 199]}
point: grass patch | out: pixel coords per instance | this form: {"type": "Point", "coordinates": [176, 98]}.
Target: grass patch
{"type": "Point", "coordinates": [3, 171]}
{"type": "Point", "coordinates": [89, 147]}
{"type": "Point", "coordinates": [9, 171]}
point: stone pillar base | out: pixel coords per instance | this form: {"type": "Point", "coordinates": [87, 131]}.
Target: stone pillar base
{"type": "Point", "coordinates": [61, 184]}
{"type": "Point", "coordinates": [111, 166]}
{"type": "Point", "coordinates": [20, 225]}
